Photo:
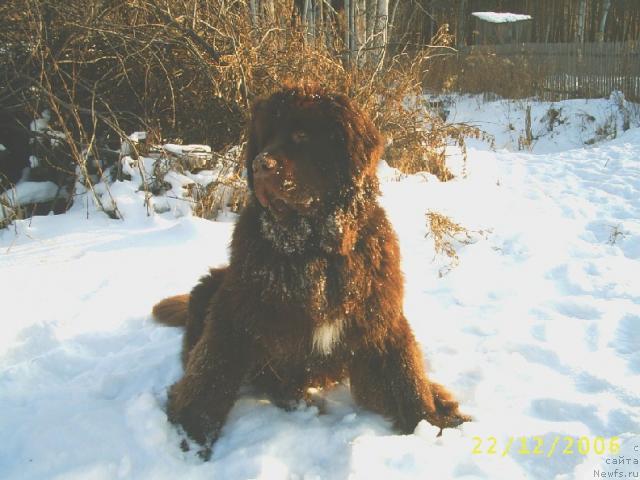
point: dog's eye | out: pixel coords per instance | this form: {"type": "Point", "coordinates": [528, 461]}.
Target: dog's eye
{"type": "Point", "coordinates": [299, 136]}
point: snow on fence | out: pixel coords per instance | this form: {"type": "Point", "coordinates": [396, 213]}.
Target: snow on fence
{"type": "Point", "coordinates": [575, 70]}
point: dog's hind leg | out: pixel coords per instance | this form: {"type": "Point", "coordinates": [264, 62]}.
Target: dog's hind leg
{"type": "Point", "coordinates": [199, 300]}
{"type": "Point", "coordinates": [214, 371]}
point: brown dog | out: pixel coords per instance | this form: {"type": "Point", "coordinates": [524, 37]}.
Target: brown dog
{"type": "Point", "coordinates": [313, 292]}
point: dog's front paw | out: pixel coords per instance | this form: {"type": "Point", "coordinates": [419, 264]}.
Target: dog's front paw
{"type": "Point", "coordinates": [189, 410]}
{"type": "Point", "coordinates": [446, 413]}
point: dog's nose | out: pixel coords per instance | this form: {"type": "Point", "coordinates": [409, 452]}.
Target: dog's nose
{"type": "Point", "coordinates": [264, 162]}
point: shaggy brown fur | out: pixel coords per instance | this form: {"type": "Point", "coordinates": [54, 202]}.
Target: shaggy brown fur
{"type": "Point", "coordinates": [313, 293]}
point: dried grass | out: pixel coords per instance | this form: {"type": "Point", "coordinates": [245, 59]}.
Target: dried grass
{"type": "Point", "coordinates": [448, 236]}
{"type": "Point", "coordinates": [187, 71]}
{"type": "Point", "coordinates": [481, 71]}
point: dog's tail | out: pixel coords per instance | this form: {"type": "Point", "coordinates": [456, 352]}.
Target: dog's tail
{"type": "Point", "coordinates": [172, 311]}
{"type": "Point", "coordinates": [191, 307]}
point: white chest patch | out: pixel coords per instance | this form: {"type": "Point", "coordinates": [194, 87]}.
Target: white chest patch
{"type": "Point", "coordinates": [326, 336]}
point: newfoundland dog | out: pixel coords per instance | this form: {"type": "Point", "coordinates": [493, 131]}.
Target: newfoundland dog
{"type": "Point", "coordinates": [313, 292]}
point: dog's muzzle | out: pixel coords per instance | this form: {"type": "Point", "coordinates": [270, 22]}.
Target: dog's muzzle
{"type": "Point", "coordinates": [268, 184]}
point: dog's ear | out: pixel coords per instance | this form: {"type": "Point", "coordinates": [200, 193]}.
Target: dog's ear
{"type": "Point", "coordinates": [362, 140]}
{"type": "Point", "coordinates": [255, 137]}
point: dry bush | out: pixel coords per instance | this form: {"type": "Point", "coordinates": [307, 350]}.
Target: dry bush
{"type": "Point", "coordinates": [188, 71]}
{"type": "Point", "coordinates": [8, 211]}
{"type": "Point", "coordinates": [447, 235]}
{"type": "Point", "coordinates": [482, 71]}
{"type": "Point", "coordinates": [226, 191]}
{"type": "Point", "coordinates": [445, 231]}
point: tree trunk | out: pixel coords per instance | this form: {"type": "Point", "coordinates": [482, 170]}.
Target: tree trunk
{"type": "Point", "coordinates": [461, 24]}
{"type": "Point", "coordinates": [318, 17]}
{"type": "Point", "coordinates": [371, 21]}
{"type": "Point", "coordinates": [582, 10]}
{"type": "Point", "coordinates": [270, 10]}
{"type": "Point", "coordinates": [253, 9]}
{"type": "Point", "coordinates": [606, 5]}
{"type": "Point", "coordinates": [309, 19]}
{"type": "Point", "coordinates": [347, 30]}
{"type": "Point", "coordinates": [361, 25]}
{"type": "Point", "coordinates": [354, 28]}
{"type": "Point", "coordinates": [380, 31]}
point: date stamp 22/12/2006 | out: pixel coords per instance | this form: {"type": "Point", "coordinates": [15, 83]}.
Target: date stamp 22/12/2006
{"type": "Point", "coordinates": [536, 445]}
{"type": "Point", "coordinates": [619, 457]}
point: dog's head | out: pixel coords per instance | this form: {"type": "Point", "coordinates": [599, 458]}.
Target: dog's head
{"type": "Point", "coordinates": [307, 149]}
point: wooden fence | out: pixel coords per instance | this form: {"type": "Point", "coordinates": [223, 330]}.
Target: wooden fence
{"type": "Point", "coordinates": [574, 70]}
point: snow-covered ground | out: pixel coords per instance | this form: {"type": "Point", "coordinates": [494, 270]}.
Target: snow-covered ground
{"type": "Point", "coordinates": [537, 330]}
